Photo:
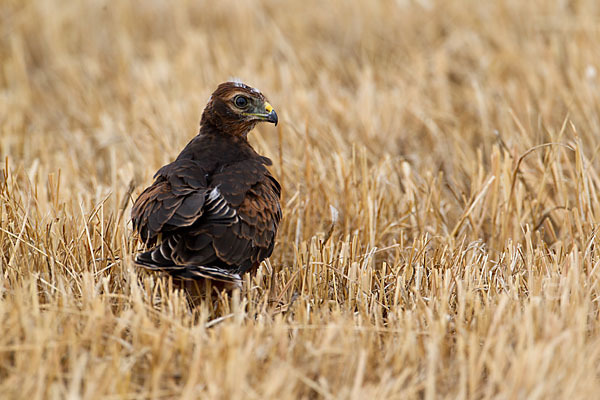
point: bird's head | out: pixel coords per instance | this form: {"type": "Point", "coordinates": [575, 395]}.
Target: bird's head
{"type": "Point", "coordinates": [235, 108]}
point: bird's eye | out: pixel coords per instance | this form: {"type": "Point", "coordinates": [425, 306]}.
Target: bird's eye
{"type": "Point", "coordinates": [241, 101]}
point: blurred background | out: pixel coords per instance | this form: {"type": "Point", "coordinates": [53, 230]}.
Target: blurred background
{"type": "Point", "coordinates": [107, 92]}
{"type": "Point", "coordinates": [109, 88]}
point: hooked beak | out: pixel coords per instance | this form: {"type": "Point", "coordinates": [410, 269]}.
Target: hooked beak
{"type": "Point", "coordinates": [268, 115]}
{"type": "Point", "coordinates": [271, 115]}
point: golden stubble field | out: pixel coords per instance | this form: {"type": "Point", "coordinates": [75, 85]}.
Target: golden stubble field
{"type": "Point", "coordinates": [459, 141]}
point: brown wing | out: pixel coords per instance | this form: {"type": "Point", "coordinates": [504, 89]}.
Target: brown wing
{"type": "Point", "coordinates": [175, 200]}
{"type": "Point", "coordinates": [219, 230]}
{"type": "Point", "coordinates": [251, 239]}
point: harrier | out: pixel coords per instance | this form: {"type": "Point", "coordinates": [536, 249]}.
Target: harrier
{"type": "Point", "coordinates": [213, 213]}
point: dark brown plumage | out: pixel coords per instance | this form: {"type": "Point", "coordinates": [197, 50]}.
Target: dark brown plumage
{"type": "Point", "coordinates": [214, 211]}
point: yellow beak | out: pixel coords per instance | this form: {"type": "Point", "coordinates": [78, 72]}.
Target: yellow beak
{"type": "Point", "coordinates": [269, 115]}
{"type": "Point", "coordinates": [268, 107]}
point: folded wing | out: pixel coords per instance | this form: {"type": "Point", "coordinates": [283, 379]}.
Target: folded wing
{"type": "Point", "coordinates": [201, 224]}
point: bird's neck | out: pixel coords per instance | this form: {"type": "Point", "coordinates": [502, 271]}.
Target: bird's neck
{"type": "Point", "coordinates": [215, 126]}
{"type": "Point", "coordinates": [217, 134]}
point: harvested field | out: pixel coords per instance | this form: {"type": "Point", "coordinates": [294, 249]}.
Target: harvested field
{"type": "Point", "coordinates": [439, 163]}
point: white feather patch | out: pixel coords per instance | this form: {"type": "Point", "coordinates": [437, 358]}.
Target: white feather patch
{"type": "Point", "coordinates": [214, 194]}
{"type": "Point", "coordinates": [238, 83]}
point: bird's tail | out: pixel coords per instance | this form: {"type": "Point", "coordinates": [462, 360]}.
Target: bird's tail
{"type": "Point", "coordinates": [156, 261]}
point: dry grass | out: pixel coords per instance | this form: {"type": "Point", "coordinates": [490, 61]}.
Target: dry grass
{"type": "Point", "coordinates": [458, 140]}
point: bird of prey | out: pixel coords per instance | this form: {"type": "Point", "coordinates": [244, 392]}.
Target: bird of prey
{"type": "Point", "coordinates": [213, 213]}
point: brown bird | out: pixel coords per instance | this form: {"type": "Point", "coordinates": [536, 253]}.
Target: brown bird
{"type": "Point", "coordinates": [213, 212]}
